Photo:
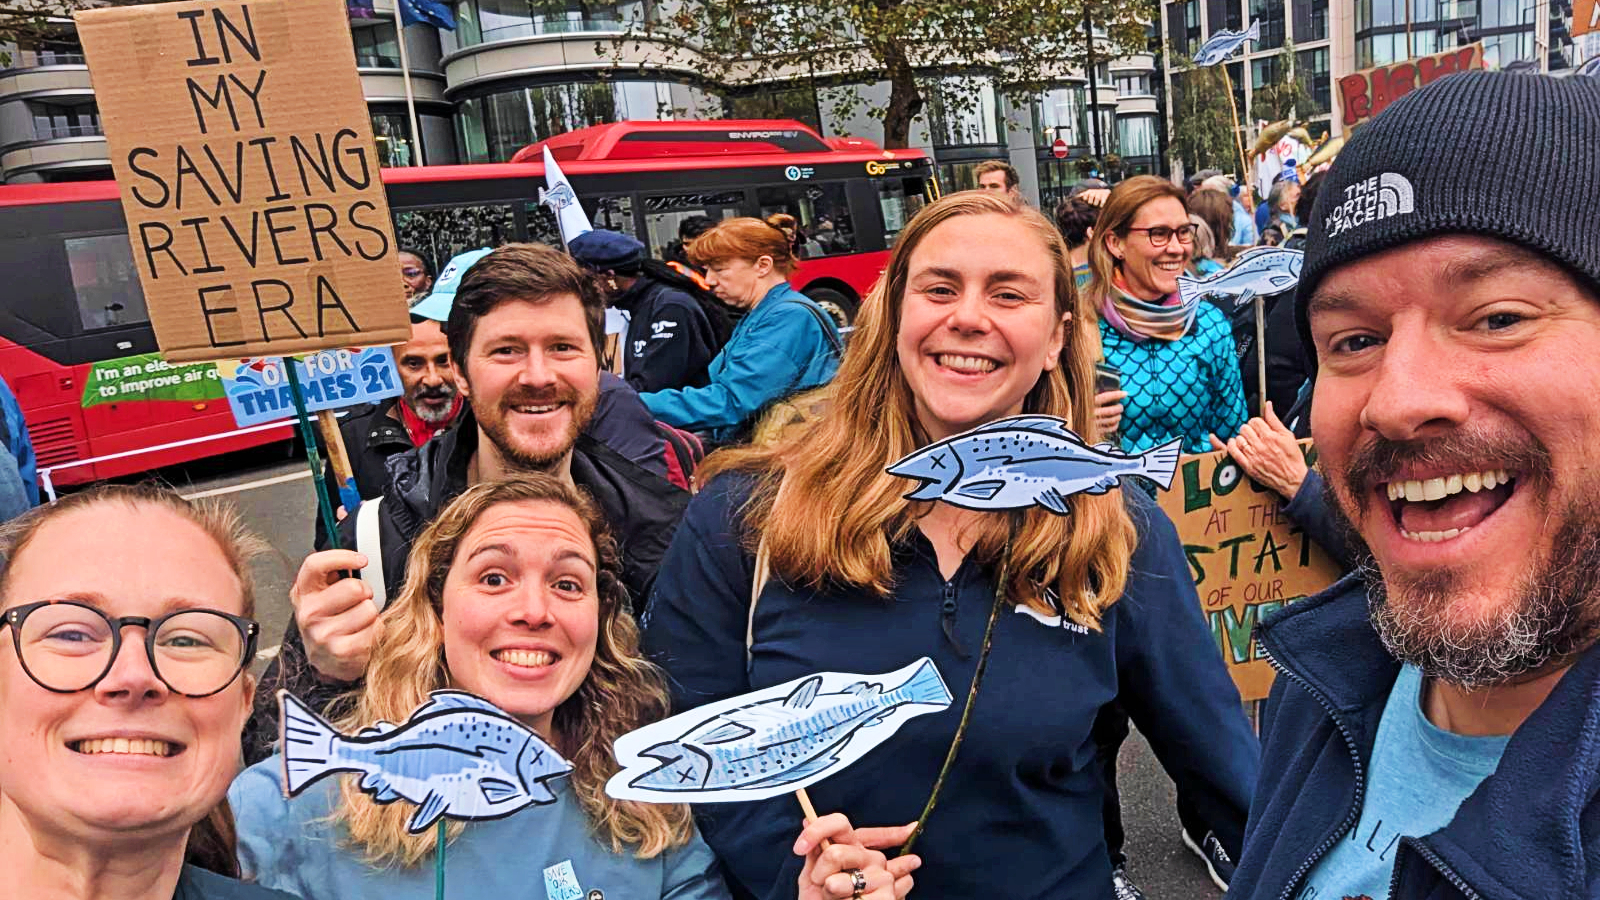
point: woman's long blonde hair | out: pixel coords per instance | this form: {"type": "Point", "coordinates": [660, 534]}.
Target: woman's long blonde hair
{"type": "Point", "coordinates": [621, 692]}
{"type": "Point", "coordinates": [829, 512]}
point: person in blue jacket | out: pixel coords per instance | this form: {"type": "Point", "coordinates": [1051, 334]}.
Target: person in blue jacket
{"type": "Point", "coordinates": [1432, 733]}
{"type": "Point", "coordinates": [804, 556]}
{"type": "Point", "coordinates": [514, 594]}
{"type": "Point", "coordinates": [784, 344]}
{"type": "Point", "coordinates": [14, 435]}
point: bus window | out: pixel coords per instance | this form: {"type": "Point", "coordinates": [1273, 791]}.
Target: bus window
{"type": "Point", "coordinates": [105, 282]}
{"type": "Point", "coordinates": [823, 211]}
{"type": "Point", "coordinates": [609, 213]}
{"type": "Point", "coordinates": [899, 199]}
{"type": "Point", "coordinates": [441, 232]}
{"type": "Point", "coordinates": [663, 212]}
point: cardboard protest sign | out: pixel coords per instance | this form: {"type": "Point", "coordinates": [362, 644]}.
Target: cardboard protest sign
{"type": "Point", "coordinates": [1025, 461]}
{"type": "Point", "coordinates": [243, 149]}
{"type": "Point", "coordinates": [149, 377]}
{"type": "Point", "coordinates": [1368, 92]}
{"type": "Point", "coordinates": [773, 741]}
{"type": "Point", "coordinates": [259, 390]}
{"type": "Point", "coordinates": [1246, 557]}
{"type": "Point", "coordinates": [458, 757]}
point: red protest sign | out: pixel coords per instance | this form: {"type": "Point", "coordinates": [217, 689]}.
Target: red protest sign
{"type": "Point", "coordinates": [1368, 92]}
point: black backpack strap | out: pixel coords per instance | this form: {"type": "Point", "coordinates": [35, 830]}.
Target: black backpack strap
{"type": "Point", "coordinates": [825, 324]}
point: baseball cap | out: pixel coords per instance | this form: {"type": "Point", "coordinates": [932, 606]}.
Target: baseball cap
{"type": "Point", "coordinates": [436, 305]}
{"type": "Point", "coordinates": [607, 251]}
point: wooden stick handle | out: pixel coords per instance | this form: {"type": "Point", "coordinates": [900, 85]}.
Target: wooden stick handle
{"type": "Point", "coordinates": [1261, 356]}
{"type": "Point", "coordinates": [810, 811]}
{"type": "Point", "coordinates": [338, 456]}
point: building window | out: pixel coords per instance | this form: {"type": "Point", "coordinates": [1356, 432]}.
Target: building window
{"type": "Point", "coordinates": [45, 52]}
{"type": "Point", "coordinates": [1191, 23]}
{"type": "Point", "coordinates": [1310, 20]}
{"type": "Point", "coordinates": [1137, 135]}
{"type": "Point", "coordinates": [1058, 115]}
{"type": "Point", "coordinates": [392, 134]}
{"type": "Point", "coordinates": [64, 119]}
{"type": "Point", "coordinates": [482, 21]}
{"type": "Point", "coordinates": [1265, 71]}
{"type": "Point", "coordinates": [964, 111]}
{"type": "Point", "coordinates": [799, 103]}
{"type": "Point", "coordinates": [1270, 14]}
{"type": "Point", "coordinates": [376, 46]}
{"type": "Point", "coordinates": [493, 127]}
{"type": "Point", "coordinates": [1133, 86]}
{"type": "Point", "coordinates": [1311, 67]}
{"type": "Point", "coordinates": [1224, 14]}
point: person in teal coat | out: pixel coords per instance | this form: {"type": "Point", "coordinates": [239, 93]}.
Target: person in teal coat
{"type": "Point", "coordinates": [784, 344]}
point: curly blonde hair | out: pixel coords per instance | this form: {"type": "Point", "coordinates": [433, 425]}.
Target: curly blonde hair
{"type": "Point", "coordinates": [829, 513]}
{"type": "Point", "coordinates": [621, 692]}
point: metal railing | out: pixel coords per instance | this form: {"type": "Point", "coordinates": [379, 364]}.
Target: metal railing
{"type": "Point", "coordinates": [49, 131]}
{"type": "Point", "coordinates": [29, 59]}
{"type": "Point", "coordinates": [542, 25]}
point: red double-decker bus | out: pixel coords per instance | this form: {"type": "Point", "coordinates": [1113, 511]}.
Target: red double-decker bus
{"type": "Point", "coordinates": [73, 308]}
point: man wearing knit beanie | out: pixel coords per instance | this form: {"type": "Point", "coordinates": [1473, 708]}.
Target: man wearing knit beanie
{"type": "Point", "coordinates": [1435, 728]}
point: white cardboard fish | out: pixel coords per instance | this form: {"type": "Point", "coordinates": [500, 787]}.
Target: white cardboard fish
{"type": "Point", "coordinates": [1026, 461]}
{"type": "Point", "coordinates": [773, 741]}
{"type": "Point", "coordinates": [458, 756]}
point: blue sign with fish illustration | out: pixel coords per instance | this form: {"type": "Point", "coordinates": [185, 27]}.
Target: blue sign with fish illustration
{"type": "Point", "coordinates": [458, 756]}
{"type": "Point", "coordinates": [1223, 42]}
{"type": "Point", "coordinates": [258, 389]}
{"type": "Point", "coordinates": [1260, 272]}
{"type": "Point", "coordinates": [1026, 461]}
{"type": "Point", "coordinates": [773, 741]}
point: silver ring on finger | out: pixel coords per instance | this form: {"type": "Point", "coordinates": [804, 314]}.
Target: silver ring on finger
{"type": "Point", "coordinates": [858, 883]}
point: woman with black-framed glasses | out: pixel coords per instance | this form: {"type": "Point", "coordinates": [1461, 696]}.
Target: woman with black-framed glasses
{"type": "Point", "coordinates": [123, 690]}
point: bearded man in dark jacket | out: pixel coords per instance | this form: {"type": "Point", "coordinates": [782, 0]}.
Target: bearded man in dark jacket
{"type": "Point", "coordinates": [524, 332]}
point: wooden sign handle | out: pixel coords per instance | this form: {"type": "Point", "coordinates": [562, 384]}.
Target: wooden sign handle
{"type": "Point", "coordinates": [338, 456]}
{"type": "Point", "coordinates": [810, 811]}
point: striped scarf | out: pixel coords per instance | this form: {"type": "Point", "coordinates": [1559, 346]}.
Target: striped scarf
{"type": "Point", "coordinates": [1166, 320]}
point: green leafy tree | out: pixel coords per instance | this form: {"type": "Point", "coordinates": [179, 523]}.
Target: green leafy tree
{"type": "Point", "coordinates": [1285, 98]}
{"type": "Point", "coordinates": [1202, 123]}
{"type": "Point", "coordinates": [845, 44]}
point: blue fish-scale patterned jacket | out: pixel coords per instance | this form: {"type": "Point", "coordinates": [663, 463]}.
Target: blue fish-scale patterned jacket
{"type": "Point", "coordinates": [1188, 388]}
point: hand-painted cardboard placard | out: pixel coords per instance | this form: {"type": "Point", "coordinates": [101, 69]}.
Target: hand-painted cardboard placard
{"type": "Point", "coordinates": [458, 756]}
{"type": "Point", "coordinates": [1246, 557]}
{"type": "Point", "coordinates": [773, 741]}
{"type": "Point", "coordinates": [1368, 92]}
{"type": "Point", "coordinates": [243, 149]}
{"type": "Point", "coordinates": [1026, 461]}
{"type": "Point", "coordinates": [258, 390]}
{"type": "Point", "coordinates": [149, 377]}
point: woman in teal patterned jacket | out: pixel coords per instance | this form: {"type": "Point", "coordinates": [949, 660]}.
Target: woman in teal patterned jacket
{"type": "Point", "coordinates": [1179, 369]}
{"type": "Point", "coordinates": [1176, 359]}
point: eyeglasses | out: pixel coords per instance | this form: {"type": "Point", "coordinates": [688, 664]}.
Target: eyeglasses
{"type": "Point", "coordinates": [1161, 235]}
{"type": "Point", "coordinates": [410, 272]}
{"type": "Point", "coordinates": [66, 646]}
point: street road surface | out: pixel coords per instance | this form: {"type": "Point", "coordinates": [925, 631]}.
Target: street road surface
{"type": "Point", "coordinates": [275, 495]}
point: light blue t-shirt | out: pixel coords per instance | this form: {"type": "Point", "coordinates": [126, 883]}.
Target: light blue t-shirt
{"type": "Point", "coordinates": [539, 853]}
{"type": "Point", "coordinates": [1420, 774]}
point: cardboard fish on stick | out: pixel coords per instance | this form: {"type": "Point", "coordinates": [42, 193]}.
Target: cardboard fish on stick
{"type": "Point", "coordinates": [774, 741]}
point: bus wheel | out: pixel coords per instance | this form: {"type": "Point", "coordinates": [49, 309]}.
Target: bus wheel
{"type": "Point", "coordinates": [841, 307]}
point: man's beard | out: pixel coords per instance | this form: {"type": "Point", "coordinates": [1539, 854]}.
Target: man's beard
{"type": "Point", "coordinates": [416, 396]}
{"type": "Point", "coordinates": [1553, 610]}
{"type": "Point", "coordinates": [496, 426]}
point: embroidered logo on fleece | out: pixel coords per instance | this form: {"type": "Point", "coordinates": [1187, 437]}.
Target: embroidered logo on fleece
{"type": "Point", "coordinates": [1054, 599]}
{"type": "Point", "coordinates": [1371, 200]}
{"type": "Point", "coordinates": [561, 882]}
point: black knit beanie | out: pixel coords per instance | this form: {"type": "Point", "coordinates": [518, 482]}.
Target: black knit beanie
{"type": "Point", "coordinates": [1506, 155]}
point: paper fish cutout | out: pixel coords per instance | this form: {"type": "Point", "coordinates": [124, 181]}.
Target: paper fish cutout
{"type": "Point", "coordinates": [772, 741]}
{"type": "Point", "coordinates": [1027, 461]}
{"type": "Point", "coordinates": [1223, 42]}
{"type": "Point", "coordinates": [458, 756]}
{"type": "Point", "coordinates": [1261, 272]}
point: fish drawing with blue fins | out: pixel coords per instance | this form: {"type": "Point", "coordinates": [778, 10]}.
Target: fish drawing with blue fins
{"type": "Point", "coordinates": [1026, 461]}
{"type": "Point", "coordinates": [458, 756]}
{"type": "Point", "coordinates": [1260, 272]}
{"type": "Point", "coordinates": [773, 741]}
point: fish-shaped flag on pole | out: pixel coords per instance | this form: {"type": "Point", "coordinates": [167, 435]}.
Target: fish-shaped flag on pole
{"type": "Point", "coordinates": [773, 741]}
{"type": "Point", "coordinates": [1027, 461]}
{"type": "Point", "coordinates": [458, 756]}
{"type": "Point", "coordinates": [1260, 272]}
{"type": "Point", "coordinates": [1223, 42]}
{"type": "Point", "coordinates": [563, 201]}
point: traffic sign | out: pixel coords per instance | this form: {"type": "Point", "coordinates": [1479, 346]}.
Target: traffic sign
{"type": "Point", "coordinates": [1059, 148]}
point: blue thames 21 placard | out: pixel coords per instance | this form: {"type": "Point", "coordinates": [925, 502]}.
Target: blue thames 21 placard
{"type": "Point", "coordinates": [258, 389]}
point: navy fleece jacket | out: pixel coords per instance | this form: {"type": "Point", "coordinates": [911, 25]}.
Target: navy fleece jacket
{"type": "Point", "coordinates": [1020, 815]}
{"type": "Point", "coordinates": [1531, 831]}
